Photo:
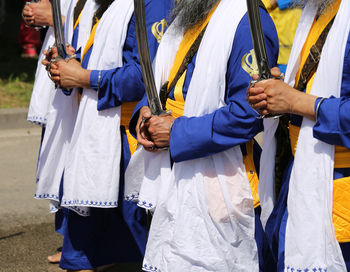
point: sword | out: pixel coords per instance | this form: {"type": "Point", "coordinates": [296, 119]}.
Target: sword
{"type": "Point", "coordinates": [59, 38]}
{"type": "Point", "coordinates": [58, 29]}
{"type": "Point", "coordinates": [258, 39]}
{"type": "Point", "coordinates": [145, 59]}
{"type": "Point", "coordinates": [259, 46]}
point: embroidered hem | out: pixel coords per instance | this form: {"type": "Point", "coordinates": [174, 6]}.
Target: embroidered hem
{"type": "Point", "coordinates": [293, 269]}
{"type": "Point", "coordinates": [145, 205]}
{"type": "Point", "coordinates": [132, 197]}
{"type": "Point", "coordinates": [46, 196]}
{"type": "Point", "coordinates": [150, 268]}
{"type": "Point", "coordinates": [37, 120]}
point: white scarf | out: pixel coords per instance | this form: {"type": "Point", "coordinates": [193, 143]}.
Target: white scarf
{"type": "Point", "coordinates": [204, 215]}
{"type": "Point", "coordinates": [61, 119]}
{"type": "Point", "coordinates": [44, 89]}
{"type": "Point", "coordinates": [92, 167]}
{"type": "Point", "coordinates": [310, 238]}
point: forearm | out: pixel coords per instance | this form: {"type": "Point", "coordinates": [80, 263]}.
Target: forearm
{"type": "Point", "coordinates": [303, 104]}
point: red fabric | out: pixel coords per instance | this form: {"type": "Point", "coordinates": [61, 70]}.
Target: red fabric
{"type": "Point", "coordinates": [28, 36]}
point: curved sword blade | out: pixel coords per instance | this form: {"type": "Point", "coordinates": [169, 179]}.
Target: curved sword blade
{"type": "Point", "coordinates": [145, 59]}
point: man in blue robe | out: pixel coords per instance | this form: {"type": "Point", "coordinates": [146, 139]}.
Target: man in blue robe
{"type": "Point", "coordinates": [192, 139]}
{"type": "Point", "coordinates": [109, 235]}
{"type": "Point", "coordinates": [317, 103]}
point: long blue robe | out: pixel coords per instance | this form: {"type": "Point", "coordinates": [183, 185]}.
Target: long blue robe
{"type": "Point", "coordinates": [332, 127]}
{"type": "Point", "coordinates": [232, 125]}
{"type": "Point", "coordinates": [116, 234]}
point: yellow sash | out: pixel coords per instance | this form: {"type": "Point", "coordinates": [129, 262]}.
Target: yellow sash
{"type": "Point", "coordinates": [127, 109]}
{"type": "Point", "coordinates": [341, 187]}
{"type": "Point", "coordinates": [177, 106]}
{"type": "Point", "coordinates": [78, 21]}
{"type": "Point", "coordinates": [248, 161]}
{"type": "Point", "coordinates": [90, 41]}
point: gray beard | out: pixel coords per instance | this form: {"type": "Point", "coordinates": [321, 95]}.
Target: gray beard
{"type": "Point", "coordinates": [321, 4]}
{"type": "Point", "coordinates": [190, 12]}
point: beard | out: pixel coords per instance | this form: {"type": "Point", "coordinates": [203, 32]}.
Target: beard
{"type": "Point", "coordinates": [103, 2]}
{"type": "Point", "coordinates": [322, 5]}
{"type": "Point", "coordinates": [190, 12]}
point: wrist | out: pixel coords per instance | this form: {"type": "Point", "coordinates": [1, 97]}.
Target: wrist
{"type": "Point", "coordinates": [84, 78]}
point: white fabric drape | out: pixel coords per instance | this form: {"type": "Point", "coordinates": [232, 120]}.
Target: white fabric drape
{"type": "Point", "coordinates": [92, 166]}
{"type": "Point", "coordinates": [203, 209]}
{"type": "Point", "coordinates": [310, 239]}
{"type": "Point", "coordinates": [44, 89]}
{"type": "Point", "coordinates": [61, 120]}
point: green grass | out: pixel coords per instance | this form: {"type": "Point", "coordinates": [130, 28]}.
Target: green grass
{"type": "Point", "coordinates": [16, 73]}
{"type": "Point", "coordinates": [15, 92]}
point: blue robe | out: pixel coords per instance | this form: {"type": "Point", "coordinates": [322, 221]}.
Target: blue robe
{"type": "Point", "coordinates": [332, 127]}
{"type": "Point", "coordinates": [116, 234]}
{"type": "Point", "coordinates": [232, 125]}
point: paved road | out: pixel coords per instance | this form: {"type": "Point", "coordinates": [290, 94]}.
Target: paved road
{"type": "Point", "coordinates": [27, 233]}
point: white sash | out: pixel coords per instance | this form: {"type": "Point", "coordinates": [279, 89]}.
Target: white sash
{"type": "Point", "coordinates": [310, 239]}
{"type": "Point", "coordinates": [92, 167]}
{"type": "Point", "coordinates": [61, 120]}
{"type": "Point", "coordinates": [204, 215]}
{"type": "Point", "coordinates": [44, 89]}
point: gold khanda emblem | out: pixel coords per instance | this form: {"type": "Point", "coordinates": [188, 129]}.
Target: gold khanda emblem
{"type": "Point", "coordinates": [158, 29]}
{"type": "Point", "coordinates": [249, 63]}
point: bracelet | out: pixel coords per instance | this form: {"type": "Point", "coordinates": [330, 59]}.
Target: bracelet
{"type": "Point", "coordinates": [318, 107]}
{"type": "Point", "coordinates": [99, 81]}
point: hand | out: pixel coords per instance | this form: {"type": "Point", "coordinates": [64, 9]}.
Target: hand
{"type": "Point", "coordinates": [143, 137]}
{"type": "Point", "coordinates": [70, 74]}
{"type": "Point", "coordinates": [27, 15]}
{"type": "Point", "coordinates": [256, 97]}
{"type": "Point", "coordinates": [159, 129]}
{"type": "Point", "coordinates": [276, 97]}
{"type": "Point", "coordinates": [38, 14]}
{"type": "Point", "coordinates": [51, 54]}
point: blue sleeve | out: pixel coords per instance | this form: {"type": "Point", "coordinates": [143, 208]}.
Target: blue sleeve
{"type": "Point", "coordinates": [333, 122]}
{"type": "Point", "coordinates": [124, 84]}
{"type": "Point", "coordinates": [235, 123]}
{"type": "Point", "coordinates": [284, 4]}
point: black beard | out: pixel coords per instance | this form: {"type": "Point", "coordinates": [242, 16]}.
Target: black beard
{"type": "Point", "coordinates": [190, 12]}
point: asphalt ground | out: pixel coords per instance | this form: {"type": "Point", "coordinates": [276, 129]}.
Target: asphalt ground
{"type": "Point", "coordinates": [27, 233]}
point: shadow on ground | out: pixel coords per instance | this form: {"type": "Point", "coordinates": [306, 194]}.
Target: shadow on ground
{"type": "Point", "coordinates": [26, 248]}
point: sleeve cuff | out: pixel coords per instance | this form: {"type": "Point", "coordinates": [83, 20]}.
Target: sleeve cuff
{"type": "Point", "coordinates": [94, 79]}
{"type": "Point", "coordinates": [284, 4]}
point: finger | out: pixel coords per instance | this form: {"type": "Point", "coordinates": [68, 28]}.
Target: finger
{"type": "Point", "coordinates": [260, 105]}
{"type": "Point", "coordinates": [55, 65]}
{"type": "Point", "coordinates": [54, 72]}
{"type": "Point", "coordinates": [257, 98]}
{"type": "Point", "coordinates": [146, 143]}
{"type": "Point", "coordinates": [255, 77]}
{"type": "Point", "coordinates": [56, 79]}
{"type": "Point", "coordinates": [255, 91]}
{"type": "Point", "coordinates": [275, 72]}
{"type": "Point", "coordinates": [30, 22]}
{"type": "Point", "coordinates": [45, 62]}
{"type": "Point", "coordinates": [145, 112]}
